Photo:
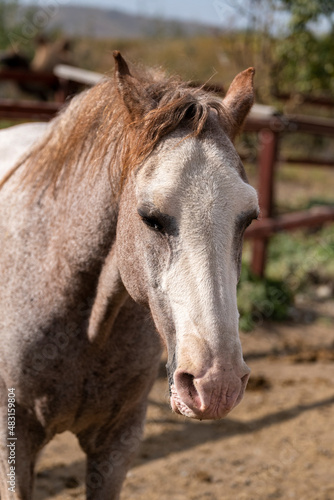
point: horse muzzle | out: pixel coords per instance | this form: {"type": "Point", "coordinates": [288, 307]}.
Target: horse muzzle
{"type": "Point", "coordinates": [210, 396]}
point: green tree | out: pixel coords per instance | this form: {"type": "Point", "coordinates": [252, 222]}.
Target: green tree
{"type": "Point", "coordinates": [8, 13]}
{"type": "Point", "coordinates": [305, 54]}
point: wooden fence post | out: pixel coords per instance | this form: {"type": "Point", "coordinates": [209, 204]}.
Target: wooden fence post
{"type": "Point", "coordinates": [268, 150]}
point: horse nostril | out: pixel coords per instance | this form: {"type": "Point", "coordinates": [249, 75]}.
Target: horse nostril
{"type": "Point", "coordinates": [185, 383]}
{"type": "Point", "coordinates": [211, 395]}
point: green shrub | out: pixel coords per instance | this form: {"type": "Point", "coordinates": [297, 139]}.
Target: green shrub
{"type": "Point", "coordinates": [260, 299]}
{"type": "Point", "coordinates": [296, 262]}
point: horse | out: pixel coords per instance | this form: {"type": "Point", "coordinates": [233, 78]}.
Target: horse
{"type": "Point", "coordinates": [47, 55]}
{"type": "Point", "coordinates": [122, 224]}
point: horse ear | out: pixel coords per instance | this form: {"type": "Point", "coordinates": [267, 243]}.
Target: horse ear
{"type": "Point", "coordinates": [239, 99]}
{"type": "Point", "coordinates": [134, 96]}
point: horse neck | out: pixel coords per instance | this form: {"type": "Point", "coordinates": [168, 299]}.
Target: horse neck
{"type": "Point", "coordinates": [83, 220]}
{"type": "Point", "coordinates": [58, 244]}
{"type": "Point", "coordinates": [67, 233]}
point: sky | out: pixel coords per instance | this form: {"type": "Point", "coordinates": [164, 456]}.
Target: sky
{"type": "Point", "coordinates": [214, 12]}
{"type": "Point", "coordinates": [219, 13]}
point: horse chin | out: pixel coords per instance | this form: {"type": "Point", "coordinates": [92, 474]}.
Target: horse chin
{"type": "Point", "coordinates": [219, 412]}
{"type": "Point", "coordinates": [178, 406]}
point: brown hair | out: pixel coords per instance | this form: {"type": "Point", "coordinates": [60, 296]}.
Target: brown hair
{"type": "Point", "coordinates": [97, 124]}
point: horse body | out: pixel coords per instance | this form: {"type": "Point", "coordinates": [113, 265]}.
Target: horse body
{"type": "Point", "coordinates": [61, 380]}
{"type": "Point", "coordinates": [89, 248]}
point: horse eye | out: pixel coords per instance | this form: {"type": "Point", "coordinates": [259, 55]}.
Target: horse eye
{"type": "Point", "coordinates": [152, 222]}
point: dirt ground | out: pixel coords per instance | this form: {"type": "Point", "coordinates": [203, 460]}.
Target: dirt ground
{"type": "Point", "coordinates": [278, 443]}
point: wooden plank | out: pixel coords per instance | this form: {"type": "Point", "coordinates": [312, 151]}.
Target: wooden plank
{"type": "Point", "coordinates": [257, 123]}
{"type": "Point", "coordinates": [266, 227]}
{"type": "Point", "coordinates": [73, 74]}
{"type": "Point", "coordinates": [307, 162]}
{"type": "Point", "coordinates": [34, 110]}
{"type": "Point", "coordinates": [313, 125]}
{"type": "Point", "coordinates": [291, 123]}
{"type": "Point", "coordinates": [320, 100]}
{"type": "Point", "coordinates": [262, 110]}
{"type": "Point", "coordinates": [28, 76]}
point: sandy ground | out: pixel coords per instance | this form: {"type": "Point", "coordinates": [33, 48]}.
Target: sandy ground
{"type": "Point", "coordinates": [279, 443]}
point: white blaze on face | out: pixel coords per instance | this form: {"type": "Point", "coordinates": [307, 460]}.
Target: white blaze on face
{"type": "Point", "coordinates": [198, 184]}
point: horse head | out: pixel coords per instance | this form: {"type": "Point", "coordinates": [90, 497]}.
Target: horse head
{"type": "Point", "coordinates": [182, 215]}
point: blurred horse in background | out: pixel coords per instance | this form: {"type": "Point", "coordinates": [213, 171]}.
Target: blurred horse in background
{"type": "Point", "coordinates": [47, 55]}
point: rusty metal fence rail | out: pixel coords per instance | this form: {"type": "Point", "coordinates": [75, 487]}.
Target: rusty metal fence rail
{"type": "Point", "coordinates": [270, 130]}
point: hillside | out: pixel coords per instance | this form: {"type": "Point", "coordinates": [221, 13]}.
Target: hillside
{"type": "Point", "coordinates": [110, 23]}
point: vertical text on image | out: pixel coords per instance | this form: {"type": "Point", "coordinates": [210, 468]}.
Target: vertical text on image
{"type": "Point", "coordinates": [11, 440]}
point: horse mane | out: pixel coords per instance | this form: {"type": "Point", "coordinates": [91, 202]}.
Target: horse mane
{"type": "Point", "coordinates": [96, 127]}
